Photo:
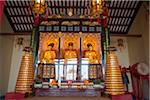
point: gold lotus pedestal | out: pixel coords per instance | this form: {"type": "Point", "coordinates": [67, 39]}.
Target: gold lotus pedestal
{"type": "Point", "coordinates": [25, 77]}
{"type": "Point", "coordinates": [114, 84]}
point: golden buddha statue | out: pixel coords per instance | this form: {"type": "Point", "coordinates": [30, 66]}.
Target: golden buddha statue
{"type": "Point", "coordinates": [70, 52]}
{"type": "Point", "coordinates": [93, 59]}
{"type": "Point", "coordinates": [91, 54]}
{"type": "Point", "coordinates": [69, 55]}
{"type": "Point", "coordinates": [49, 57]}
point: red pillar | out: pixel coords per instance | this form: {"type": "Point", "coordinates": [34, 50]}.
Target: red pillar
{"type": "Point", "coordinates": [1, 11]}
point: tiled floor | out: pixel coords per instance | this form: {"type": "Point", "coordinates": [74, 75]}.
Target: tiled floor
{"type": "Point", "coordinates": [67, 98]}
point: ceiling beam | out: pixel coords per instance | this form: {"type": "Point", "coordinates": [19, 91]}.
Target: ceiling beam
{"type": "Point", "coordinates": [17, 33]}
{"type": "Point", "coordinates": [126, 35]}
{"type": "Point", "coordinates": [78, 18]}
{"type": "Point", "coordinates": [83, 7]}
{"type": "Point", "coordinates": [112, 34]}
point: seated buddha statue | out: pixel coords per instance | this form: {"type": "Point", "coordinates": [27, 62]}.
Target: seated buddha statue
{"type": "Point", "coordinates": [70, 69]}
{"type": "Point", "coordinates": [49, 57]}
{"type": "Point", "coordinates": [92, 56]}
{"type": "Point", "coordinates": [70, 52]}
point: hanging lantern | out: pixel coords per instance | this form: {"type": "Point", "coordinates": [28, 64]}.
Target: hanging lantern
{"type": "Point", "coordinates": [38, 6]}
{"type": "Point", "coordinates": [25, 77]}
{"type": "Point", "coordinates": [97, 7]}
{"type": "Point", "coordinates": [114, 84]}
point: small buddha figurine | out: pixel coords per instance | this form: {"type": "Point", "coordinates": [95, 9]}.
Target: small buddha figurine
{"type": "Point", "coordinates": [70, 52]}
{"type": "Point", "coordinates": [91, 54]}
{"type": "Point", "coordinates": [49, 57]}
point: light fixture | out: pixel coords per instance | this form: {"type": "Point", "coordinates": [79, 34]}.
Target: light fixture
{"type": "Point", "coordinates": [98, 1]}
{"type": "Point", "coordinates": [38, 6]}
{"type": "Point", "coordinates": [97, 7]}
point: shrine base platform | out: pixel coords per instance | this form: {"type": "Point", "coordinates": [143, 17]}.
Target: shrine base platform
{"type": "Point", "coordinates": [68, 92]}
{"type": "Point", "coordinates": [67, 98]}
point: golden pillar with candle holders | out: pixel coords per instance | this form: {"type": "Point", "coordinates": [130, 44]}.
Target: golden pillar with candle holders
{"type": "Point", "coordinates": [113, 82]}
{"type": "Point", "coordinates": [26, 74]}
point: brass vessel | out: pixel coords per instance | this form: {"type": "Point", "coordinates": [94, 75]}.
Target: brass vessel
{"type": "Point", "coordinates": [25, 77]}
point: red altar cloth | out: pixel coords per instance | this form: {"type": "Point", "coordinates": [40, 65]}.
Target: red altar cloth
{"type": "Point", "coordinates": [122, 97]}
{"type": "Point", "coordinates": [14, 96]}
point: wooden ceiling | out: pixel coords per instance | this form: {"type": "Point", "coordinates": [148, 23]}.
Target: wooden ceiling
{"type": "Point", "coordinates": [121, 13]}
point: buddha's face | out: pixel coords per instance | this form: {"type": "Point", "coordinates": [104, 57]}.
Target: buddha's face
{"type": "Point", "coordinates": [90, 47]}
{"type": "Point", "coordinates": [51, 46]}
{"type": "Point", "coordinates": [70, 46]}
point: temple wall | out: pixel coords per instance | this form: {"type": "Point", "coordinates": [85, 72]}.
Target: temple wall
{"type": "Point", "coordinates": [123, 56]}
{"type": "Point", "coordinates": [6, 45]}
{"type": "Point", "coordinates": [139, 47]}
{"type": "Point", "coordinates": [1, 66]}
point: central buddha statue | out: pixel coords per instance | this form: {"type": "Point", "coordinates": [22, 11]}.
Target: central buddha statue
{"type": "Point", "coordinates": [70, 52]}
{"type": "Point", "coordinates": [49, 58]}
{"type": "Point", "coordinates": [70, 56]}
